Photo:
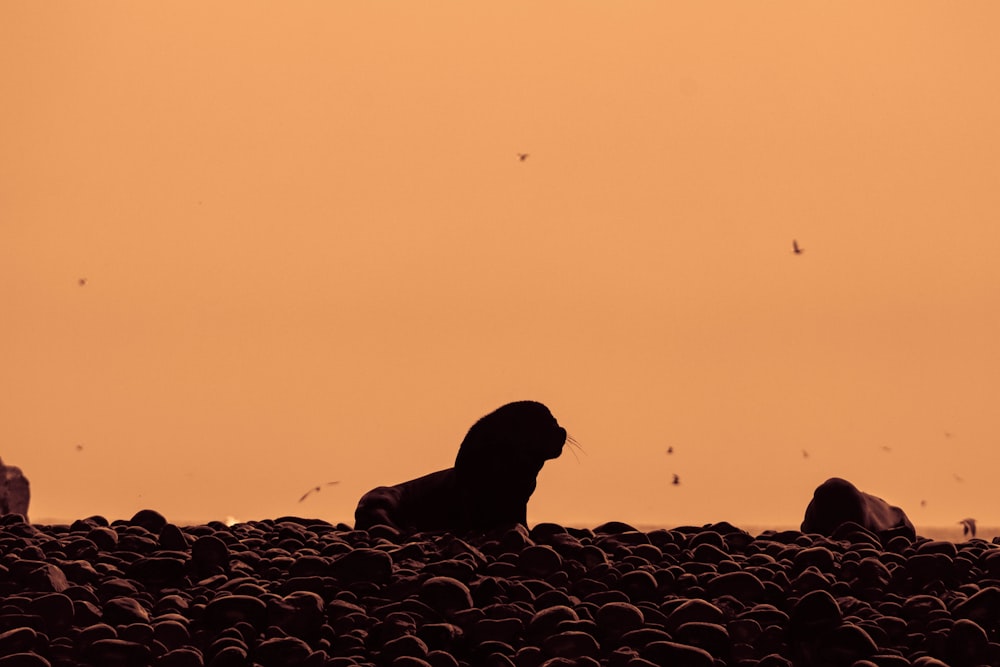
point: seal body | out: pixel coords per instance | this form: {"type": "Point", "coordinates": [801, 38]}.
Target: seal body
{"type": "Point", "coordinates": [493, 477]}
{"type": "Point", "coordinates": [837, 501]}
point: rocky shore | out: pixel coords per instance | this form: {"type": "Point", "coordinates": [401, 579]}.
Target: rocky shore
{"type": "Point", "coordinates": [295, 592]}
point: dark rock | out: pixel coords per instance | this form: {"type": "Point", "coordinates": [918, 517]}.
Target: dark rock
{"type": "Point", "coordinates": [571, 644]}
{"type": "Point", "coordinates": [539, 561]}
{"type": "Point", "coordinates": [368, 565]}
{"type": "Point", "coordinates": [172, 538]}
{"type": "Point", "coordinates": [181, 657]}
{"type": "Point", "coordinates": [742, 585]}
{"type": "Point", "coordinates": [282, 652]}
{"type": "Point", "coordinates": [114, 652]}
{"type": "Point", "coordinates": [209, 556]}
{"type": "Point", "coordinates": [151, 520]}
{"type": "Point", "coordinates": [673, 653]}
{"type": "Point", "coordinates": [445, 595]}
{"type": "Point", "coordinates": [27, 659]}
{"type": "Point", "coordinates": [15, 491]}
{"type": "Point", "coordinates": [227, 610]}
{"type": "Point", "coordinates": [298, 614]}
{"type": "Point", "coordinates": [124, 610]}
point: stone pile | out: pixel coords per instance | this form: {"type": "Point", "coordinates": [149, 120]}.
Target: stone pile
{"type": "Point", "coordinates": [293, 592]}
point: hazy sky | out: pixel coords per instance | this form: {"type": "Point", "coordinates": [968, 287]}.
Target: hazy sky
{"type": "Point", "coordinates": [312, 254]}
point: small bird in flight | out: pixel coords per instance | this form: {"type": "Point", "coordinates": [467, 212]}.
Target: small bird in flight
{"type": "Point", "coordinates": [968, 527]}
{"type": "Point", "coordinates": [79, 448]}
{"type": "Point", "coordinates": [795, 247]}
{"type": "Point", "coordinates": [677, 480]}
{"type": "Point", "coordinates": [805, 454]}
{"type": "Point", "coordinates": [670, 450]}
{"type": "Point", "coordinates": [315, 489]}
{"type": "Point", "coordinates": [886, 448]}
{"type": "Point", "coordinates": [81, 282]}
{"type": "Point", "coordinates": [523, 156]}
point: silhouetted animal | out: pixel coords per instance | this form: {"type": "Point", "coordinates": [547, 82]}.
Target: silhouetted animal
{"type": "Point", "coordinates": [677, 480]}
{"type": "Point", "coordinates": [837, 501]}
{"type": "Point", "coordinates": [968, 527]}
{"type": "Point", "coordinates": [489, 485]}
{"type": "Point", "coordinates": [795, 247]}
{"type": "Point", "coordinates": [522, 156]}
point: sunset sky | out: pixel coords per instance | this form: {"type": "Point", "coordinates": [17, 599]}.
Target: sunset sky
{"type": "Point", "coordinates": [311, 252]}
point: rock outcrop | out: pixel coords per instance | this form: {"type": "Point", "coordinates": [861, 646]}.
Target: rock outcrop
{"type": "Point", "coordinates": [14, 491]}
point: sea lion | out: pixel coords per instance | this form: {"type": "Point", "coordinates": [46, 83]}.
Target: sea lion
{"type": "Point", "coordinates": [837, 501]}
{"type": "Point", "coordinates": [489, 485]}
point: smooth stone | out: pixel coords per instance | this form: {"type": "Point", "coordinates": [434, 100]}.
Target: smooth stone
{"type": "Point", "coordinates": [151, 520]}
{"type": "Point", "coordinates": [118, 652]}
{"type": "Point", "coordinates": [406, 645]}
{"type": "Point", "coordinates": [56, 609]}
{"type": "Point", "coordinates": [571, 644]}
{"type": "Point", "coordinates": [614, 619]}
{"type": "Point", "coordinates": [18, 640]}
{"type": "Point", "coordinates": [741, 584]}
{"type": "Point", "coordinates": [124, 610]}
{"type": "Point", "coordinates": [363, 565]}
{"type": "Point", "coordinates": [299, 614]}
{"type": "Point", "coordinates": [539, 560]}
{"type": "Point", "coordinates": [711, 637]}
{"type": "Point", "coordinates": [25, 659]}
{"type": "Point", "coordinates": [673, 653]}
{"type": "Point", "coordinates": [445, 595]}
{"type": "Point", "coordinates": [814, 612]}
{"type": "Point", "coordinates": [225, 611]}
{"type": "Point", "coordinates": [181, 657]}
{"type": "Point", "coordinates": [693, 610]}
{"type": "Point", "coordinates": [281, 652]}
{"type": "Point", "coordinates": [209, 556]}
{"type": "Point", "coordinates": [544, 622]}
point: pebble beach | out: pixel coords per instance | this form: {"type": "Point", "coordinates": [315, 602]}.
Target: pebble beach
{"type": "Point", "coordinates": [293, 592]}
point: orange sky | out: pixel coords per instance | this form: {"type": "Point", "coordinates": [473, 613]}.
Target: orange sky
{"type": "Point", "coordinates": [312, 254]}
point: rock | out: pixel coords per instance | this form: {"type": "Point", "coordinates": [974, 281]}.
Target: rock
{"type": "Point", "coordinates": [27, 659]}
{"type": "Point", "coordinates": [281, 652]}
{"type": "Point", "coordinates": [445, 595]}
{"type": "Point", "coordinates": [151, 520]}
{"type": "Point", "coordinates": [15, 491]}
{"type": "Point", "coordinates": [209, 556]}
{"type": "Point", "coordinates": [673, 653]}
{"type": "Point", "coordinates": [227, 610]}
{"type": "Point", "coordinates": [571, 644]}
{"type": "Point", "coordinates": [181, 657]}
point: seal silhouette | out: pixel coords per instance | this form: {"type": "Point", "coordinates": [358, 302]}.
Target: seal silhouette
{"type": "Point", "coordinates": [837, 501]}
{"type": "Point", "coordinates": [489, 486]}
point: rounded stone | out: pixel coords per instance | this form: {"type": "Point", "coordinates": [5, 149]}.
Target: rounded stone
{"type": "Point", "coordinates": [227, 610]}
{"type": "Point", "coordinates": [151, 520]}
{"type": "Point", "coordinates": [281, 652]}
{"type": "Point", "coordinates": [539, 560]}
{"type": "Point", "coordinates": [445, 595]}
{"type": "Point", "coordinates": [571, 644]}
{"type": "Point", "coordinates": [674, 653]}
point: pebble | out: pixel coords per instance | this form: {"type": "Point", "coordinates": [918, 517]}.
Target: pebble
{"type": "Point", "coordinates": [305, 593]}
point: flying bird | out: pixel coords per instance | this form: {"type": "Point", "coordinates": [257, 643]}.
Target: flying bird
{"type": "Point", "coordinates": [677, 480]}
{"type": "Point", "coordinates": [79, 448]}
{"type": "Point", "coordinates": [315, 489]}
{"type": "Point", "coordinates": [968, 527]}
{"type": "Point", "coordinates": [886, 448]}
{"type": "Point", "coordinates": [805, 454]}
{"type": "Point", "coordinates": [523, 156]}
{"type": "Point", "coordinates": [81, 282]}
{"type": "Point", "coordinates": [923, 503]}
{"type": "Point", "coordinates": [957, 478]}
{"type": "Point", "coordinates": [795, 247]}
{"type": "Point", "coordinates": [670, 450]}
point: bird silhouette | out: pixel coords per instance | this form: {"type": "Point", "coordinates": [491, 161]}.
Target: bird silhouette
{"type": "Point", "coordinates": [523, 156]}
{"type": "Point", "coordinates": [315, 489]}
{"type": "Point", "coordinates": [968, 527]}
{"type": "Point", "coordinates": [795, 247]}
{"type": "Point", "coordinates": [886, 448]}
{"type": "Point", "coordinates": [670, 450]}
{"type": "Point", "coordinates": [81, 282]}
{"type": "Point", "coordinates": [677, 480]}
{"type": "Point", "coordinates": [805, 454]}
